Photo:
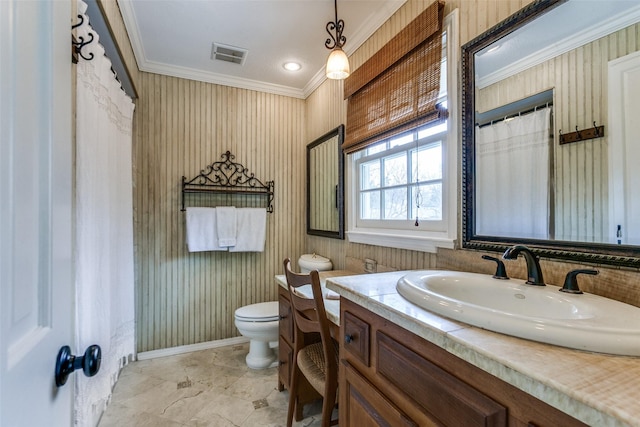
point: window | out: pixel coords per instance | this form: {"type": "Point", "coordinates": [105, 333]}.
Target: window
{"type": "Point", "coordinates": [400, 179]}
{"type": "Point", "coordinates": [410, 175]}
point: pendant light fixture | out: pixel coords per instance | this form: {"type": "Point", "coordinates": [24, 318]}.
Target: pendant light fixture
{"type": "Point", "coordinates": [337, 63]}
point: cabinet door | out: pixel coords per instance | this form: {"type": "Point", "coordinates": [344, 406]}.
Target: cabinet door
{"type": "Point", "coordinates": [362, 405]}
{"type": "Point", "coordinates": [285, 359]}
{"type": "Point", "coordinates": [286, 318]}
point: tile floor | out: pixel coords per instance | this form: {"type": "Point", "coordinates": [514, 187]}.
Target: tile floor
{"type": "Point", "coordinates": [209, 388]}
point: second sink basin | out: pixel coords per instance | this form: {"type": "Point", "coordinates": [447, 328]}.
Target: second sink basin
{"type": "Point", "coordinates": [540, 313]}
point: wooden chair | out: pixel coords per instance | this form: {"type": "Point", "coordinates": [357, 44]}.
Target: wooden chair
{"type": "Point", "coordinates": [318, 362]}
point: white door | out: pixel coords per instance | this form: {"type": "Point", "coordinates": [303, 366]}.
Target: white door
{"type": "Point", "coordinates": [624, 149]}
{"type": "Point", "coordinates": [36, 294]}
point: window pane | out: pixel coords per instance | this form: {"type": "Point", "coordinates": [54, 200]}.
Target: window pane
{"type": "Point", "coordinates": [370, 175]}
{"type": "Point", "coordinates": [428, 166]}
{"type": "Point", "coordinates": [370, 205]}
{"type": "Point", "coordinates": [395, 203]}
{"type": "Point", "coordinates": [401, 140]}
{"type": "Point", "coordinates": [378, 148]}
{"type": "Point", "coordinates": [432, 130]}
{"type": "Point", "coordinates": [395, 169]}
{"type": "Point", "coordinates": [429, 199]}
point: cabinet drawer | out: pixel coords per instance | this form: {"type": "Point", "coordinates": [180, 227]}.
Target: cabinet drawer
{"type": "Point", "coordinates": [362, 405]}
{"type": "Point", "coordinates": [451, 400]}
{"type": "Point", "coordinates": [356, 337]}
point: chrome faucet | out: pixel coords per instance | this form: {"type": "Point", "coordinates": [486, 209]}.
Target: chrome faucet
{"type": "Point", "coordinates": [534, 272]}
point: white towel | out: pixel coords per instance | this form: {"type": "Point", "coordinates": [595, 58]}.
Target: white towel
{"type": "Point", "coordinates": [226, 220]}
{"type": "Point", "coordinates": [201, 230]}
{"type": "Point", "coordinates": [251, 231]}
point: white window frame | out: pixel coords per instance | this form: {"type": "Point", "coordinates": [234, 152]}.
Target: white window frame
{"type": "Point", "coordinates": [443, 234]}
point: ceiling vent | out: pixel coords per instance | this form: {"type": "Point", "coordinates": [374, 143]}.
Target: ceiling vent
{"type": "Point", "coordinates": [221, 52]}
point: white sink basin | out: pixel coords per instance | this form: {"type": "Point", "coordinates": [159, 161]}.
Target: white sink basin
{"type": "Point", "coordinates": [539, 313]}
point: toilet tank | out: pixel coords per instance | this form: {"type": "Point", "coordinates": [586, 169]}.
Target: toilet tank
{"type": "Point", "coordinates": [308, 262]}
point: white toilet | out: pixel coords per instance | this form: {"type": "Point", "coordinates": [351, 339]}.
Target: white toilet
{"type": "Point", "coordinates": [259, 322]}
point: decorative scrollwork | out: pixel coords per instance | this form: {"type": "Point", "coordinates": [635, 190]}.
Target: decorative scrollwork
{"type": "Point", "coordinates": [337, 26]}
{"type": "Point", "coordinates": [338, 40]}
{"type": "Point", "coordinates": [228, 177]}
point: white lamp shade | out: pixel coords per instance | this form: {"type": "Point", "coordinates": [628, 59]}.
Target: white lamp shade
{"type": "Point", "coordinates": [338, 65]}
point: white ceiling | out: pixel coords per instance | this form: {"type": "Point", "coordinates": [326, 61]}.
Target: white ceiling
{"type": "Point", "coordinates": [175, 37]}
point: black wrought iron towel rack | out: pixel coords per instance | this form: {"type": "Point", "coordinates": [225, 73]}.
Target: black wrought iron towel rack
{"type": "Point", "coordinates": [228, 177]}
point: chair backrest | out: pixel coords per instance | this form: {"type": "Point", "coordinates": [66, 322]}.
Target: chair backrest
{"type": "Point", "coordinates": [309, 314]}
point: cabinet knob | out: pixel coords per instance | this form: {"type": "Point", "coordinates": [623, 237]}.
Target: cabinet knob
{"type": "Point", "coordinates": [348, 338]}
{"type": "Point", "coordinates": [282, 317]}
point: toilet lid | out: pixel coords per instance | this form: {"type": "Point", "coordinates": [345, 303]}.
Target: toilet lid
{"type": "Point", "coordinates": [261, 312]}
{"type": "Point", "coordinates": [314, 262]}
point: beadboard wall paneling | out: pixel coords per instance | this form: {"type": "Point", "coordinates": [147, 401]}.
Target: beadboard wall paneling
{"type": "Point", "coordinates": [183, 126]}
{"type": "Point", "coordinates": [475, 17]}
{"type": "Point", "coordinates": [326, 109]}
{"type": "Point", "coordinates": [579, 80]}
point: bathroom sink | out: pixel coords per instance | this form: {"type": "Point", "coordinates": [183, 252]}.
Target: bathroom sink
{"type": "Point", "coordinates": [540, 313]}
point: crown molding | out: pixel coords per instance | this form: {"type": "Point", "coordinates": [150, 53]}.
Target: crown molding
{"type": "Point", "coordinates": [220, 79]}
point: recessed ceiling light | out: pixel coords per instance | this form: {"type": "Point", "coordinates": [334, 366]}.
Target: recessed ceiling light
{"type": "Point", "coordinates": [292, 66]}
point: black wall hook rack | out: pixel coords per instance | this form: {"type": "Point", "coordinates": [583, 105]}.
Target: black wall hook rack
{"type": "Point", "coordinates": [78, 43]}
{"type": "Point", "coordinates": [581, 135]}
{"type": "Point", "coordinates": [228, 177]}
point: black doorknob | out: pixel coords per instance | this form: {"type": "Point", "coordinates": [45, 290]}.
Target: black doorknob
{"type": "Point", "coordinates": [66, 363]}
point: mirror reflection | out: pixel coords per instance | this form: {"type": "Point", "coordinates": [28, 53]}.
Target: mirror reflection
{"type": "Point", "coordinates": [325, 185]}
{"type": "Point", "coordinates": [549, 127]}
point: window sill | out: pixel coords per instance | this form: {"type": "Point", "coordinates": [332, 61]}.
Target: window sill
{"type": "Point", "coordinates": [422, 241]}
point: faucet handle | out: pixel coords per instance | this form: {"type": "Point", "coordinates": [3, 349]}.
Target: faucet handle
{"type": "Point", "coordinates": [571, 281]}
{"type": "Point", "coordinates": [501, 272]}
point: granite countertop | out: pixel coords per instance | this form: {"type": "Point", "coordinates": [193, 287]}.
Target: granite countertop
{"type": "Point", "coordinates": [598, 389]}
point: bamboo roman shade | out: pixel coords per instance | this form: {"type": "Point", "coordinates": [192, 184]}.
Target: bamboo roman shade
{"type": "Point", "coordinates": [397, 88]}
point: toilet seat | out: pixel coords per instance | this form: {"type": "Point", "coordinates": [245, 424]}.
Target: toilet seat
{"type": "Point", "coordinates": [260, 312]}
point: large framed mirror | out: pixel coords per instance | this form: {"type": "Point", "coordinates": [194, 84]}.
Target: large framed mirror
{"type": "Point", "coordinates": [325, 185]}
{"type": "Point", "coordinates": [551, 76]}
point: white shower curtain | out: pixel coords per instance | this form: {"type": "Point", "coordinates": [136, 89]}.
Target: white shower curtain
{"type": "Point", "coordinates": [512, 176]}
{"type": "Point", "coordinates": [104, 229]}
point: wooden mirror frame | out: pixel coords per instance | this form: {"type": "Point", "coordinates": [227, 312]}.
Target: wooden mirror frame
{"type": "Point", "coordinates": [592, 253]}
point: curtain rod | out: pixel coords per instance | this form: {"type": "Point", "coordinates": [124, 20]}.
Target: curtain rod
{"type": "Point", "coordinates": [513, 115]}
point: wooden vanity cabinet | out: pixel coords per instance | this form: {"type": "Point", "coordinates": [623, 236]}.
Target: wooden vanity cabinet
{"type": "Point", "coordinates": [286, 341]}
{"type": "Point", "coordinates": [389, 376]}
